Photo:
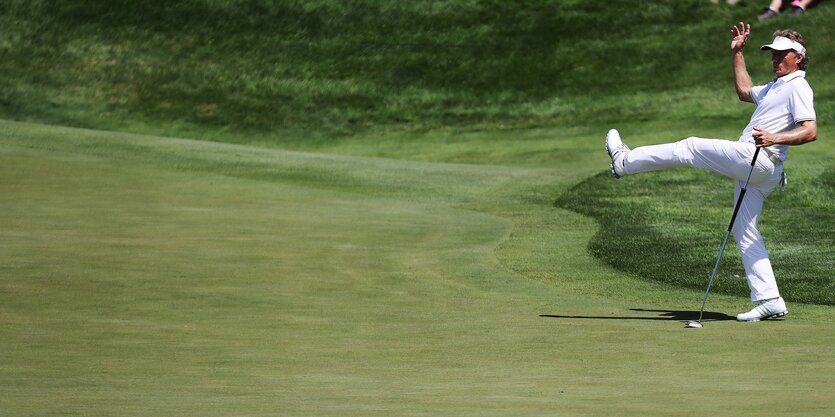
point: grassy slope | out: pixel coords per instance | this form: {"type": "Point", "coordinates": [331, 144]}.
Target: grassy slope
{"type": "Point", "coordinates": [273, 72]}
{"type": "Point", "coordinates": [150, 276]}
{"type": "Point", "coordinates": [639, 215]}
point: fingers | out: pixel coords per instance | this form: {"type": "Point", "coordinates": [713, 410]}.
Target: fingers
{"type": "Point", "coordinates": [741, 30]}
{"type": "Point", "coordinates": [761, 138]}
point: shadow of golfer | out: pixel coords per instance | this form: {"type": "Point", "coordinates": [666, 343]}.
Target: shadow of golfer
{"type": "Point", "coordinates": [672, 315]}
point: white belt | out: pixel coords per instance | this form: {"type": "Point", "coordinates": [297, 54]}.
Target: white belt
{"type": "Point", "coordinates": [773, 157]}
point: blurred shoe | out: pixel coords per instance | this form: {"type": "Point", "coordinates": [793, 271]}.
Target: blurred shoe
{"type": "Point", "coordinates": [617, 151]}
{"type": "Point", "coordinates": [798, 10]}
{"type": "Point", "coordinates": [768, 13]}
{"type": "Point", "coordinates": [770, 309]}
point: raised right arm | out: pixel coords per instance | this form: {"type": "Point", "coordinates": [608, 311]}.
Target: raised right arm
{"type": "Point", "coordinates": [742, 81]}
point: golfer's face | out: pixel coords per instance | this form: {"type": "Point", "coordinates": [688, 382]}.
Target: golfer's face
{"type": "Point", "coordinates": [784, 62]}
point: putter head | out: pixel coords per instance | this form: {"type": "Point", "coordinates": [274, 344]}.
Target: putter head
{"type": "Point", "coordinates": [692, 324]}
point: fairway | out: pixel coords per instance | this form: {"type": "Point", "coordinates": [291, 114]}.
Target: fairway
{"type": "Point", "coordinates": [147, 276]}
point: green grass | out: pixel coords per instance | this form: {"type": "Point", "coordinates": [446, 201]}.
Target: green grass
{"type": "Point", "coordinates": [638, 216]}
{"type": "Point", "coordinates": [158, 276]}
{"type": "Point", "coordinates": [367, 224]}
{"type": "Point", "coordinates": [273, 72]}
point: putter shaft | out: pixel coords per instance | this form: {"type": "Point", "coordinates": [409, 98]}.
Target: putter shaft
{"type": "Point", "coordinates": [728, 233]}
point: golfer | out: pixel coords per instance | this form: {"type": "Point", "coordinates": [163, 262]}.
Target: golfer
{"type": "Point", "coordinates": [784, 116]}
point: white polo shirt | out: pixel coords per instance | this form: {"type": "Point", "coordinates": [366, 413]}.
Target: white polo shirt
{"type": "Point", "coordinates": [781, 105]}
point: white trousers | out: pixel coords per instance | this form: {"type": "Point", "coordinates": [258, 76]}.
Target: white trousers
{"type": "Point", "coordinates": [731, 159]}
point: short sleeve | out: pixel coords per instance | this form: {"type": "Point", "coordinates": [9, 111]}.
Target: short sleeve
{"type": "Point", "coordinates": [801, 103]}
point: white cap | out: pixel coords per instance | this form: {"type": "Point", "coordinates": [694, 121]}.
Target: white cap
{"type": "Point", "coordinates": [782, 43]}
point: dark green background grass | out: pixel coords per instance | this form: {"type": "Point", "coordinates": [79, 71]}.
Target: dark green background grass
{"type": "Point", "coordinates": [274, 70]}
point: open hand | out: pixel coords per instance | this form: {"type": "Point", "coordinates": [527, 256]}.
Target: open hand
{"type": "Point", "coordinates": [740, 36]}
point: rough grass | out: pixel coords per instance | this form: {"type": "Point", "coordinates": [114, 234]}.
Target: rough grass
{"type": "Point", "coordinates": [276, 71]}
{"type": "Point", "coordinates": [647, 226]}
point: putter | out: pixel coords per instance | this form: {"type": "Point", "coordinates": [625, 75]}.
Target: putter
{"type": "Point", "coordinates": [698, 324]}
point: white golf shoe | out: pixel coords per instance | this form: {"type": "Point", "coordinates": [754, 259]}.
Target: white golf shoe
{"type": "Point", "coordinates": [617, 151]}
{"type": "Point", "coordinates": [769, 309]}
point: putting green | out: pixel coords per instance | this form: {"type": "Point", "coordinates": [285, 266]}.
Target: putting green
{"type": "Point", "coordinates": [146, 276]}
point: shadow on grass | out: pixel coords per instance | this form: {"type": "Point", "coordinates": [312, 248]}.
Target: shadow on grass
{"type": "Point", "coordinates": [672, 315]}
{"type": "Point", "coordinates": [663, 226]}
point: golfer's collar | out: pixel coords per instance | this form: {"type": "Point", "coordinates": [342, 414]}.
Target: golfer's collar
{"type": "Point", "coordinates": [788, 77]}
